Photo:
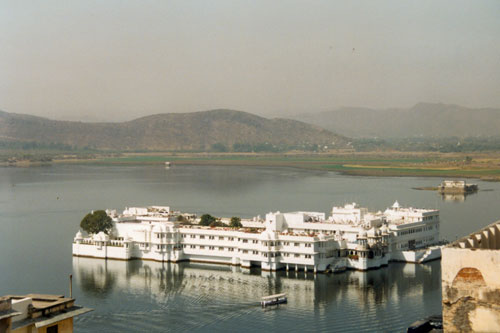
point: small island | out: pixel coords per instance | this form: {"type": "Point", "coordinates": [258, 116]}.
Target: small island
{"type": "Point", "coordinates": [456, 187]}
{"type": "Point", "coordinates": [452, 187]}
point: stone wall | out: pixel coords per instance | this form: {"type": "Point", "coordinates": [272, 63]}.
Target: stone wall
{"type": "Point", "coordinates": [471, 282]}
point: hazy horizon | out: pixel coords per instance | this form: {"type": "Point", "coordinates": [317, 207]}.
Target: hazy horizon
{"type": "Point", "coordinates": [120, 60]}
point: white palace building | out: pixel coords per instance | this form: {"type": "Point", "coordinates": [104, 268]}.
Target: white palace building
{"type": "Point", "coordinates": [351, 238]}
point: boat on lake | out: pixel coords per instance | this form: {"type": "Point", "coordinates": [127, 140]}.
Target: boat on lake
{"type": "Point", "coordinates": [276, 299]}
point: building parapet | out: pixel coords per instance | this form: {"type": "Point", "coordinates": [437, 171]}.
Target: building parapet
{"type": "Point", "coordinates": [34, 312]}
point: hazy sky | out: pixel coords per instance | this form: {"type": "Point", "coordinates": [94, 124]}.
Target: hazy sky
{"type": "Point", "coordinates": [102, 60]}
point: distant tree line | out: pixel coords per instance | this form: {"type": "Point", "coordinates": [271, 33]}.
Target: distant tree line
{"type": "Point", "coordinates": [38, 156]}
{"type": "Point", "coordinates": [264, 147]}
{"type": "Point", "coordinates": [36, 151]}
{"type": "Point", "coordinates": [443, 145]}
{"type": "Point", "coordinates": [32, 145]}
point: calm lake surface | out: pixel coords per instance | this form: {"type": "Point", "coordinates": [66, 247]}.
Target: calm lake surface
{"type": "Point", "coordinates": [41, 208]}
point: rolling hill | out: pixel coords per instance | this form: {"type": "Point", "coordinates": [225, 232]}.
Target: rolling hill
{"type": "Point", "coordinates": [422, 120]}
{"type": "Point", "coordinates": [197, 131]}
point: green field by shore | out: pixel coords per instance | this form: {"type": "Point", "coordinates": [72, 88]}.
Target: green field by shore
{"type": "Point", "coordinates": [385, 164]}
{"type": "Point", "coordinates": [364, 164]}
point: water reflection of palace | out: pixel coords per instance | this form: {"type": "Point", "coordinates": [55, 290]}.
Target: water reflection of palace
{"type": "Point", "coordinates": [455, 197]}
{"type": "Point", "coordinates": [99, 278]}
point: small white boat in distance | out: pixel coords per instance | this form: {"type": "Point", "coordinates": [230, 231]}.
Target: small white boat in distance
{"type": "Point", "coordinates": [167, 163]}
{"type": "Point", "coordinates": [276, 299]}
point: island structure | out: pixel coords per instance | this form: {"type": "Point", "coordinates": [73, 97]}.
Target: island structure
{"type": "Point", "coordinates": [351, 238]}
{"type": "Point", "coordinates": [456, 187]}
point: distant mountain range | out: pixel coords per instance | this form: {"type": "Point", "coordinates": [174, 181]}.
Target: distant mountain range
{"type": "Point", "coordinates": [422, 120]}
{"type": "Point", "coordinates": [198, 131]}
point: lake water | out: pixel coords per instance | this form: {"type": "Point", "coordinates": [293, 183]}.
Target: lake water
{"type": "Point", "coordinates": [41, 208]}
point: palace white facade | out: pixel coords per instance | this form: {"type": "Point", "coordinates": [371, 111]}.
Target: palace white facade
{"type": "Point", "coordinates": [351, 238]}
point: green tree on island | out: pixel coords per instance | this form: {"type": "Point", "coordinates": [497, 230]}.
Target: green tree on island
{"type": "Point", "coordinates": [96, 222]}
{"type": "Point", "coordinates": [217, 223]}
{"type": "Point", "coordinates": [235, 222]}
{"type": "Point", "coordinates": [207, 219]}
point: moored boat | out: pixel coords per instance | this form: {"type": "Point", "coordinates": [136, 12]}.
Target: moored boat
{"type": "Point", "coordinates": [276, 299]}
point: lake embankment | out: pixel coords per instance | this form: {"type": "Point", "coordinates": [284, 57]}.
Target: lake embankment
{"type": "Point", "coordinates": [384, 164]}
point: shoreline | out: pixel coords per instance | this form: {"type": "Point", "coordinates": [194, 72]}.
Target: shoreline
{"type": "Point", "coordinates": [375, 164]}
